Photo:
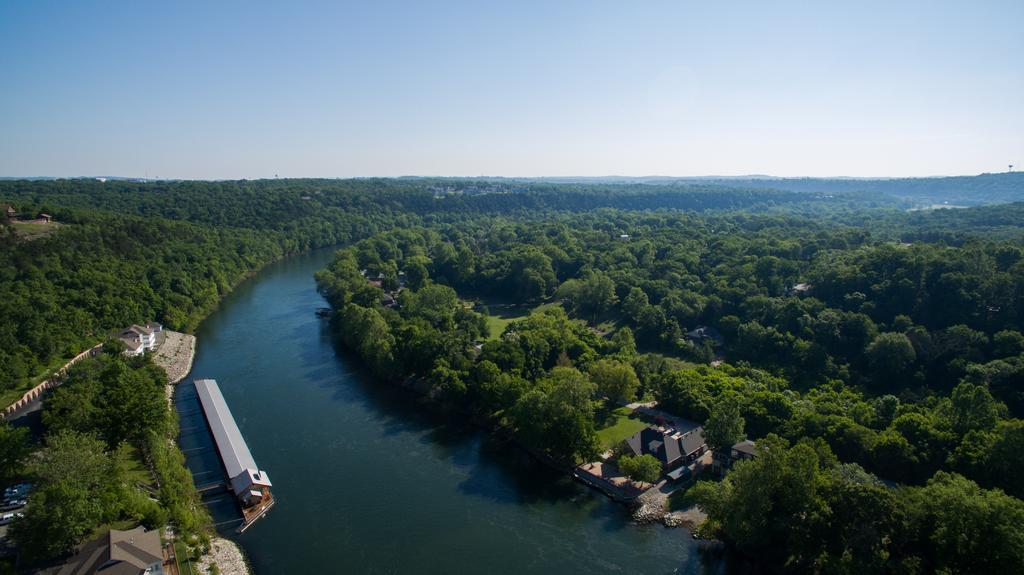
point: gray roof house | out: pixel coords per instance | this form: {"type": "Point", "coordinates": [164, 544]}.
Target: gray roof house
{"type": "Point", "coordinates": [670, 446]}
{"type": "Point", "coordinates": [132, 552]}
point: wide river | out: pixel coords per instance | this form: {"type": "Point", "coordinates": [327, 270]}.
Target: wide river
{"type": "Point", "coordinates": [369, 481]}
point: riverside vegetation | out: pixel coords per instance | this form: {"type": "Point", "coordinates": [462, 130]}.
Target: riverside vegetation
{"type": "Point", "coordinates": [902, 362]}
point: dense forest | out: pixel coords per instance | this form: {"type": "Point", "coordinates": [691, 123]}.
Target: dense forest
{"type": "Point", "coordinates": [889, 362]}
{"type": "Point", "coordinates": [876, 354]}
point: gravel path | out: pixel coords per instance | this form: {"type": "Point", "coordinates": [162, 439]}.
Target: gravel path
{"type": "Point", "coordinates": [227, 556]}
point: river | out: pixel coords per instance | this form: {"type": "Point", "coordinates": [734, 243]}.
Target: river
{"type": "Point", "coordinates": [369, 481]}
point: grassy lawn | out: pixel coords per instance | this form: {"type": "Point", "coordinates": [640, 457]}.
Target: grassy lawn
{"type": "Point", "coordinates": [617, 426]}
{"type": "Point", "coordinates": [32, 230]}
{"type": "Point", "coordinates": [499, 315]}
{"type": "Point", "coordinates": [138, 473]}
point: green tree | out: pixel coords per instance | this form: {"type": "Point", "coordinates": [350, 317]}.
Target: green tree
{"type": "Point", "coordinates": [14, 449]}
{"type": "Point", "coordinates": [416, 273]}
{"type": "Point", "coordinates": [972, 407]}
{"type": "Point", "coordinates": [724, 428]}
{"type": "Point", "coordinates": [615, 380]}
{"type": "Point", "coordinates": [635, 302]}
{"type": "Point", "coordinates": [79, 486]}
{"type": "Point", "coordinates": [767, 507]}
{"type": "Point", "coordinates": [965, 529]}
{"type": "Point", "coordinates": [644, 467]}
{"type": "Point", "coordinates": [889, 354]}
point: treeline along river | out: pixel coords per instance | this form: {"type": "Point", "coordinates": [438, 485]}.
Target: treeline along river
{"type": "Point", "coordinates": [369, 481]}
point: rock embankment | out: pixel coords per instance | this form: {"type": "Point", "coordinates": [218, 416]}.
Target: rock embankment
{"type": "Point", "coordinates": [175, 355]}
{"type": "Point", "coordinates": [691, 518]}
{"type": "Point", "coordinates": [653, 508]}
{"type": "Point", "coordinates": [650, 505]}
{"type": "Point", "coordinates": [227, 556]}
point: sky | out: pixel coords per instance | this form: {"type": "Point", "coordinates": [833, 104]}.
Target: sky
{"type": "Point", "coordinates": [216, 90]}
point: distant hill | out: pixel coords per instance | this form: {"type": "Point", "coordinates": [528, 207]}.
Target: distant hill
{"type": "Point", "coordinates": [954, 190]}
{"type": "Point", "coordinates": [983, 189]}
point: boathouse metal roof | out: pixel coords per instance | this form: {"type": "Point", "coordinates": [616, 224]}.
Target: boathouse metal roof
{"type": "Point", "coordinates": [233, 450]}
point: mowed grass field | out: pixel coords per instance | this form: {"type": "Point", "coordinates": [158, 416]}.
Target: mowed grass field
{"type": "Point", "coordinates": [34, 230]}
{"type": "Point", "coordinates": [499, 315]}
{"type": "Point", "coordinates": [617, 426]}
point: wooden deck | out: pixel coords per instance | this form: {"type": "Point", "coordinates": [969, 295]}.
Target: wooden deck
{"type": "Point", "coordinates": [251, 514]}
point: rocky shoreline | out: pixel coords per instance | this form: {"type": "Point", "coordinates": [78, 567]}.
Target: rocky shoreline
{"type": "Point", "coordinates": [652, 507]}
{"type": "Point", "coordinates": [227, 556]}
{"type": "Point", "coordinates": [175, 354]}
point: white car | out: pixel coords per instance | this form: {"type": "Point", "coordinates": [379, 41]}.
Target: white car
{"type": "Point", "coordinates": [13, 504]}
{"type": "Point", "coordinates": [8, 517]}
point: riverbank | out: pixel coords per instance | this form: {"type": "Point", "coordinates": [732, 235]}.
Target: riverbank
{"type": "Point", "coordinates": [175, 355]}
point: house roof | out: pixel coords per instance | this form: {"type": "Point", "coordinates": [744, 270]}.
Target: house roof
{"type": "Point", "coordinates": [136, 547]}
{"type": "Point", "coordinates": [147, 329]}
{"type": "Point", "coordinates": [692, 441]}
{"type": "Point", "coordinates": [666, 445]}
{"type": "Point", "coordinates": [132, 342]}
{"type": "Point", "coordinates": [746, 446]}
{"type": "Point", "coordinates": [123, 552]}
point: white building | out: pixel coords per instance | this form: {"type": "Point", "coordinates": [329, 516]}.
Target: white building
{"type": "Point", "coordinates": [139, 339]}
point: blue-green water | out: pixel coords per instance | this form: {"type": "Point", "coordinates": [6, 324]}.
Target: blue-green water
{"type": "Point", "coordinates": [369, 481]}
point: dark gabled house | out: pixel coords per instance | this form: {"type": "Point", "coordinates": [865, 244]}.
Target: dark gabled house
{"type": "Point", "coordinates": [669, 446]}
{"type": "Point", "coordinates": [742, 451]}
{"type": "Point", "coordinates": [745, 449]}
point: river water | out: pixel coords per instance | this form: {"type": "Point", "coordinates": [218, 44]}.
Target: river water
{"type": "Point", "coordinates": [367, 480]}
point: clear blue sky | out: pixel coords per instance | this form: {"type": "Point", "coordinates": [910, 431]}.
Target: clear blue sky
{"type": "Point", "coordinates": [254, 89]}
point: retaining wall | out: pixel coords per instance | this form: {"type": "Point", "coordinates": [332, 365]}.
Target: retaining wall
{"type": "Point", "coordinates": [57, 379]}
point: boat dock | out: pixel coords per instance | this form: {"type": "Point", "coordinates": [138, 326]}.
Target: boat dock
{"type": "Point", "coordinates": [248, 483]}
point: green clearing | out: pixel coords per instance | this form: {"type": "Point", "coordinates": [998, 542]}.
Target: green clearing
{"type": "Point", "coordinates": [499, 315]}
{"type": "Point", "coordinates": [138, 473]}
{"type": "Point", "coordinates": [33, 230]}
{"type": "Point", "coordinates": [619, 424]}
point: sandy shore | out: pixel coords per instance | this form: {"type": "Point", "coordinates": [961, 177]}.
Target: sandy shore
{"type": "Point", "coordinates": [175, 354]}
{"type": "Point", "coordinates": [227, 556]}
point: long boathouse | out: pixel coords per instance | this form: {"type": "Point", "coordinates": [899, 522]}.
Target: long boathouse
{"type": "Point", "coordinates": [248, 482]}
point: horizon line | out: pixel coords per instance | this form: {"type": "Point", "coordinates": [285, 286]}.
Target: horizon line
{"type": "Point", "coordinates": [499, 177]}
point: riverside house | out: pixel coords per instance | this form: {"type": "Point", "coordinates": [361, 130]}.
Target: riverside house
{"type": "Point", "coordinates": [139, 339]}
{"type": "Point", "coordinates": [132, 552]}
{"type": "Point", "coordinates": [672, 447]}
{"type": "Point", "coordinates": [742, 451]}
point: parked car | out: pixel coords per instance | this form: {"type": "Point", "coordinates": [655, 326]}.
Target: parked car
{"type": "Point", "coordinates": [19, 490]}
{"type": "Point", "coordinates": [8, 517]}
{"type": "Point", "coordinates": [13, 504]}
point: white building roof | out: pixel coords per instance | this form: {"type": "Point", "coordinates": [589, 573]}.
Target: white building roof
{"type": "Point", "coordinates": [233, 450]}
